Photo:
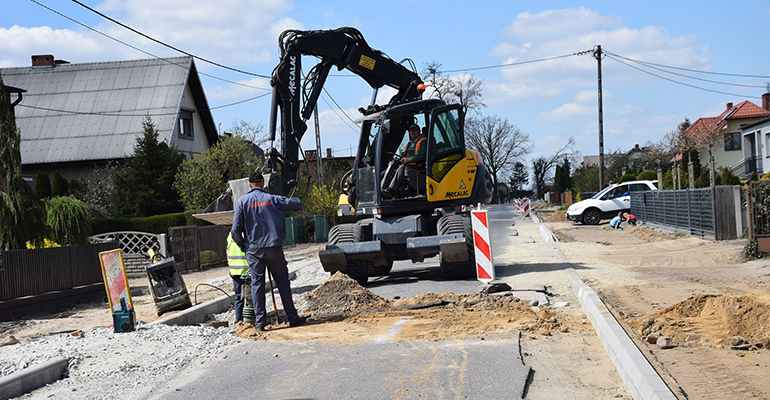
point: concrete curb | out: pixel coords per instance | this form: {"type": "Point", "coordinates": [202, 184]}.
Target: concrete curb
{"type": "Point", "coordinates": [640, 378]}
{"type": "Point", "coordinates": [31, 378]}
{"type": "Point", "coordinates": [197, 314]}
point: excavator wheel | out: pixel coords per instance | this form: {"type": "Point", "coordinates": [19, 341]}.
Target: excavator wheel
{"type": "Point", "coordinates": [350, 233]}
{"type": "Point", "coordinates": [451, 224]}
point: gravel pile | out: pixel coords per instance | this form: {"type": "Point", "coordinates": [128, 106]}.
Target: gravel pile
{"type": "Point", "coordinates": [107, 365]}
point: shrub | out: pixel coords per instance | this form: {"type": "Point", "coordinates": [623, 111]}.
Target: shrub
{"type": "Point", "coordinates": [42, 185]}
{"type": "Point", "coordinates": [647, 175]}
{"type": "Point", "coordinates": [68, 220]}
{"type": "Point", "coordinates": [156, 224]}
{"type": "Point", "coordinates": [627, 177]}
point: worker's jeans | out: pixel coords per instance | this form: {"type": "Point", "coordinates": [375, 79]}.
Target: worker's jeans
{"type": "Point", "coordinates": [404, 169]}
{"type": "Point", "coordinates": [272, 258]}
{"type": "Point", "coordinates": [238, 283]}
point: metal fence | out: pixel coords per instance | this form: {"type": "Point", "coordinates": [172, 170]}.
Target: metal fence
{"type": "Point", "coordinates": [37, 271]}
{"type": "Point", "coordinates": [194, 247]}
{"type": "Point", "coordinates": [712, 213]}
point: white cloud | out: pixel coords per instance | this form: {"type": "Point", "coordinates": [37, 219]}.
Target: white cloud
{"type": "Point", "coordinates": [559, 23]}
{"type": "Point", "coordinates": [567, 112]}
{"type": "Point", "coordinates": [241, 33]}
{"type": "Point", "coordinates": [17, 44]}
{"type": "Point", "coordinates": [563, 32]}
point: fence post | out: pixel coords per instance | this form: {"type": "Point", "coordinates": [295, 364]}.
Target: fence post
{"type": "Point", "coordinates": [714, 212]}
{"type": "Point", "coordinates": [162, 245]}
{"type": "Point", "coordinates": [738, 206]}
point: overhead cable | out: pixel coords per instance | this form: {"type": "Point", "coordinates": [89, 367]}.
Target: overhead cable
{"type": "Point", "coordinates": [166, 44]}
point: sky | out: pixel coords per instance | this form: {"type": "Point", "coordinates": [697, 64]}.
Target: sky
{"type": "Point", "coordinates": [719, 51]}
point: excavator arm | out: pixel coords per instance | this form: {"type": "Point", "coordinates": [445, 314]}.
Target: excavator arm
{"type": "Point", "coordinates": [295, 98]}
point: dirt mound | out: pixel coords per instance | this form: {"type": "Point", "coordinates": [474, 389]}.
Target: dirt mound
{"type": "Point", "coordinates": [540, 204]}
{"type": "Point", "coordinates": [429, 316]}
{"type": "Point", "coordinates": [557, 216]}
{"type": "Point", "coordinates": [341, 293]}
{"type": "Point", "coordinates": [712, 320]}
{"type": "Point", "coordinates": [648, 234]}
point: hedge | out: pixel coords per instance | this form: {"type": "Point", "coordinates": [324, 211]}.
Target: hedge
{"type": "Point", "coordinates": [154, 224]}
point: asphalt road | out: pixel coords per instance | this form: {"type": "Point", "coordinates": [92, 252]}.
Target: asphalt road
{"type": "Point", "coordinates": [452, 369]}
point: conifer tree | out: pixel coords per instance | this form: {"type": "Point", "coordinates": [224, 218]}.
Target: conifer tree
{"type": "Point", "coordinates": [21, 213]}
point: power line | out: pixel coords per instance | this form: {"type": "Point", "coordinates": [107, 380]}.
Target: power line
{"type": "Point", "coordinates": [654, 66]}
{"type": "Point", "coordinates": [166, 44]}
{"type": "Point", "coordinates": [691, 70]}
{"type": "Point", "coordinates": [675, 81]}
{"type": "Point", "coordinates": [515, 63]}
{"type": "Point", "coordinates": [140, 50]}
{"type": "Point", "coordinates": [103, 113]}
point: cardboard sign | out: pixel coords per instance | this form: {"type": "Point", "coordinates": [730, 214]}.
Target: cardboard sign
{"type": "Point", "coordinates": [115, 278]}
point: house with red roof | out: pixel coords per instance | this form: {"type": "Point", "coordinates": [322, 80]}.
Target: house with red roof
{"type": "Point", "coordinates": [723, 136]}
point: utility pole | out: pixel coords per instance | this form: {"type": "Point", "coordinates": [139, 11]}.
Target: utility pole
{"type": "Point", "coordinates": [598, 56]}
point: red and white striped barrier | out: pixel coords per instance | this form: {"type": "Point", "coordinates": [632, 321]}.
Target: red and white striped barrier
{"type": "Point", "coordinates": [485, 267]}
{"type": "Point", "coordinates": [525, 208]}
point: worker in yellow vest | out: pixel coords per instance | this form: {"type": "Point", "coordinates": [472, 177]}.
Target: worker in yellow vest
{"type": "Point", "coordinates": [239, 272]}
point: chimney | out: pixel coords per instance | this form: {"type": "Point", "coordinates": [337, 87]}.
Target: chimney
{"type": "Point", "coordinates": [766, 101]}
{"type": "Point", "coordinates": [729, 106]}
{"type": "Point", "coordinates": [329, 152]}
{"type": "Point", "coordinates": [45, 60]}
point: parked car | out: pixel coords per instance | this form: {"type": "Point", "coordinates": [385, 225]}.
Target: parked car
{"type": "Point", "coordinates": [607, 203]}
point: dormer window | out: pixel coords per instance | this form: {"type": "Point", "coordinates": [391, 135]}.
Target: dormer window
{"type": "Point", "coordinates": [186, 123]}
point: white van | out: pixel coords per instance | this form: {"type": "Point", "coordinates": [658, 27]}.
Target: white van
{"type": "Point", "coordinates": [607, 203]}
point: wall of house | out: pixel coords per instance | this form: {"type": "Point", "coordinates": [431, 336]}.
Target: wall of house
{"type": "Point", "coordinates": [199, 143]}
{"type": "Point", "coordinates": [761, 135]}
{"type": "Point", "coordinates": [727, 158]}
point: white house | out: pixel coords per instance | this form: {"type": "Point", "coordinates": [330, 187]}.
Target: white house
{"type": "Point", "coordinates": [77, 117]}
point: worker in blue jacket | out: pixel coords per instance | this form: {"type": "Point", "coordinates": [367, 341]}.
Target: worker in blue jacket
{"type": "Point", "coordinates": [258, 228]}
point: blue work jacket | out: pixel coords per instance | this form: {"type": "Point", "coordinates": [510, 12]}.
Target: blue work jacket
{"type": "Point", "coordinates": [260, 218]}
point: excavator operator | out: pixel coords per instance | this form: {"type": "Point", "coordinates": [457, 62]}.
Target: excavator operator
{"type": "Point", "coordinates": [412, 161]}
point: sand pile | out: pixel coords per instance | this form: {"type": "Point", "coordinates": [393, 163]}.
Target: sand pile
{"type": "Point", "coordinates": [341, 293]}
{"type": "Point", "coordinates": [558, 216]}
{"type": "Point", "coordinates": [714, 320]}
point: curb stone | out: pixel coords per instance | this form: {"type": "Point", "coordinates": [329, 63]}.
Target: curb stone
{"type": "Point", "coordinates": [640, 378]}
{"type": "Point", "coordinates": [29, 379]}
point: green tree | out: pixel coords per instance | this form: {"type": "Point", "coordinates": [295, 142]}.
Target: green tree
{"type": "Point", "coordinates": [42, 185]}
{"type": "Point", "coordinates": [203, 178]}
{"type": "Point", "coordinates": [144, 186]}
{"type": "Point", "coordinates": [68, 220]}
{"type": "Point", "coordinates": [563, 177]}
{"type": "Point", "coordinates": [586, 178]}
{"type": "Point", "coordinates": [60, 185]}
{"type": "Point", "coordinates": [519, 178]}
{"type": "Point", "coordinates": [21, 213]}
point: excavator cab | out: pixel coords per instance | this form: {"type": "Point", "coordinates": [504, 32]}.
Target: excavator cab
{"type": "Point", "coordinates": [445, 178]}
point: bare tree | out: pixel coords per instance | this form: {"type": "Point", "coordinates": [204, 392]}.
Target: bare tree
{"type": "Point", "coordinates": [254, 133]}
{"type": "Point", "coordinates": [706, 133]}
{"type": "Point", "coordinates": [464, 89]}
{"type": "Point", "coordinates": [541, 166]}
{"type": "Point", "coordinates": [499, 142]}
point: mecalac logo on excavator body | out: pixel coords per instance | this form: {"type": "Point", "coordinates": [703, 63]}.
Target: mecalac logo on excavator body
{"type": "Point", "coordinates": [292, 75]}
{"type": "Point", "coordinates": [459, 193]}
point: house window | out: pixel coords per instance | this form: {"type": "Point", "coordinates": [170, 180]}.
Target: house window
{"type": "Point", "coordinates": [767, 145]}
{"type": "Point", "coordinates": [732, 141]}
{"type": "Point", "coordinates": [186, 124]}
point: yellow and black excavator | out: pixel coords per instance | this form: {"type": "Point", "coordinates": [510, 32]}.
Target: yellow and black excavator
{"type": "Point", "coordinates": [423, 217]}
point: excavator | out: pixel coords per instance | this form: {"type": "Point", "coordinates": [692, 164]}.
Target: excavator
{"type": "Point", "coordinates": [425, 215]}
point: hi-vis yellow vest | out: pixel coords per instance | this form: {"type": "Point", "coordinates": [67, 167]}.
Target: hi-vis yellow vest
{"type": "Point", "coordinates": [236, 259]}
